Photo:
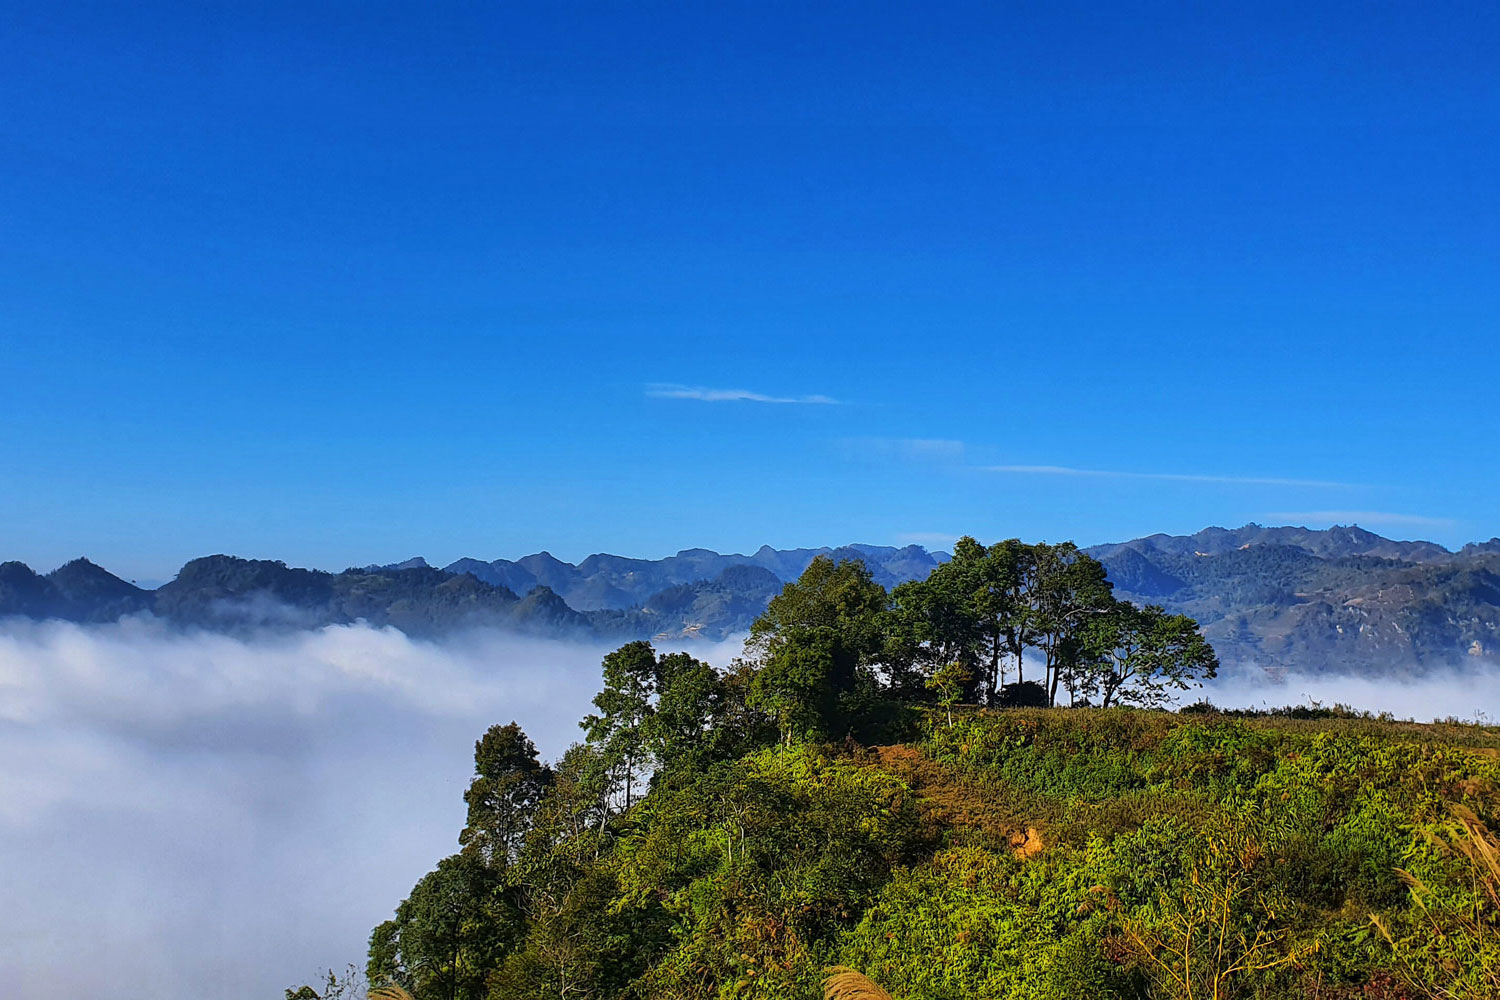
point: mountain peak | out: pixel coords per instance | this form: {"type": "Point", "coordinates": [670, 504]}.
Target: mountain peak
{"type": "Point", "coordinates": [15, 569]}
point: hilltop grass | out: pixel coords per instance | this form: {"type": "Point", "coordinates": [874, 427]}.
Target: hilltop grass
{"type": "Point", "coordinates": [1061, 854]}
{"type": "Point", "coordinates": [1058, 854]}
{"type": "Point", "coordinates": [1200, 856]}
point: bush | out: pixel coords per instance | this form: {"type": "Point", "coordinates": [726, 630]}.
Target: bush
{"type": "Point", "coordinates": [973, 923]}
{"type": "Point", "coordinates": [1025, 694]}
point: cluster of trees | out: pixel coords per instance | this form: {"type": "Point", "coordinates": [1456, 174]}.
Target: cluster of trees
{"type": "Point", "coordinates": [995, 609]}
{"type": "Point", "coordinates": [499, 917]}
{"type": "Point", "coordinates": [529, 907]}
{"type": "Point", "coordinates": [836, 641]}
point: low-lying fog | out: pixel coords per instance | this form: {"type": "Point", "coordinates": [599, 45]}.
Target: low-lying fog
{"type": "Point", "coordinates": [195, 815]}
{"type": "Point", "coordinates": [1469, 695]}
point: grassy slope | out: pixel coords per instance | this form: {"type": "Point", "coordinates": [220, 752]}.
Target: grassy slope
{"type": "Point", "coordinates": [1074, 853]}
{"type": "Point", "coordinates": [1155, 825]}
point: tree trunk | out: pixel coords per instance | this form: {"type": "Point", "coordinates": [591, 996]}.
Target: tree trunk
{"type": "Point", "coordinates": [993, 681]}
{"type": "Point", "coordinates": [1111, 686]}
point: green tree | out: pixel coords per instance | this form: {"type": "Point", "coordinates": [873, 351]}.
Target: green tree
{"type": "Point", "coordinates": [618, 729]}
{"type": "Point", "coordinates": [576, 802]}
{"type": "Point", "coordinates": [683, 728]}
{"type": "Point", "coordinates": [1005, 572]}
{"type": "Point", "coordinates": [936, 621]}
{"type": "Point", "coordinates": [812, 644]}
{"type": "Point", "coordinates": [989, 607]}
{"type": "Point", "coordinates": [950, 681]}
{"type": "Point", "coordinates": [575, 944]}
{"type": "Point", "coordinates": [1138, 655]}
{"type": "Point", "coordinates": [1067, 588]}
{"type": "Point", "coordinates": [659, 711]}
{"type": "Point", "coordinates": [455, 927]}
{"type": "Point", "coordinates": [508, 783]}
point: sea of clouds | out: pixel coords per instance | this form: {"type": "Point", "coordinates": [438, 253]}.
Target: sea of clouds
{"type": "Point", "coordinates": [1469, 692]}
{"type": "Point", "coordinates": [191, 815]}
{"type": "Point", "coordinates": [186, 814]}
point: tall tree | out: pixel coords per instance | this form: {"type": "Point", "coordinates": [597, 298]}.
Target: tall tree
{"type": "Point", "coordinates": [989, 607]}
{"type": "Point", "coordinates": [936, 621]}
{"type": "Point", "coordinates": [577, 802]}
{"type": "Point", "coordinates": [1068, 587]}
{"type": "Point", "coordinates": [1002, 602]}
{"type": "Point", "coordinates": [508, 783]}
{"type": "Point", "coordinates": [1138, 655]}
{"type": "Point", "coordinates": [455, 927]}
{"type": "Point", "coordinates": [630, 680]}
{"type": "Point", "coordinates": [682, 730]}
{"type": "Point", "coordinates": [811, 644]}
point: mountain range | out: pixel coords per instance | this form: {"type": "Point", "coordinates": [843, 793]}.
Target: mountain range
{"type": "Point", "coordinates": [1279, 598]}
{"type": "Point", "coordinates": [1340, 600]}
{"type": "Point", "coordinates": [694, 593]}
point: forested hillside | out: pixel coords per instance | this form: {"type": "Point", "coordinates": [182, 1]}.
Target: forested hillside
{"type": "Point", "coordinates": [838, 798]}
{"type": "Point", "coordinates": [1336, 601]}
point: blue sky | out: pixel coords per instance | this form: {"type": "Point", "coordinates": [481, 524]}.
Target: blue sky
{"type": "Point", "coordinates": [343, 283]}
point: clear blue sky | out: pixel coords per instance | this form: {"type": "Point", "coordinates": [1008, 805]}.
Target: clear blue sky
{"type": "Point", "coordinates": [342, 283]}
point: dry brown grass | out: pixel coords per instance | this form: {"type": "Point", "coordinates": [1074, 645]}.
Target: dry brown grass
{"type": "Point", "coordinates": [949, 800]}
{"type": "Point", "coordinates": [391, 992]}
{"type": "Point", "coordinates": [1463, 926]}
{"type": "Point", "coordinates": [1482, 849]}
{"type": "Point", "coordinates": [844, 983]}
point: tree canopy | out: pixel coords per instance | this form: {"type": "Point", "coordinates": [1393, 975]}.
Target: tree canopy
{"type": "Point", "coordinates": [725, 826]}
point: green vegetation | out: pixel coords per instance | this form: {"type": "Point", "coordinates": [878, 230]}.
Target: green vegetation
{"type": "Point", "coordinates": [837, 801]}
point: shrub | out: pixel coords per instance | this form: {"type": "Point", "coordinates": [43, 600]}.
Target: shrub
{"type": "Point", "coordinates": [1024, 694]}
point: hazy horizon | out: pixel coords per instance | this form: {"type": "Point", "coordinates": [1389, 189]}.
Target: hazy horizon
{"type": "Point", "coordinates": [934, 545]}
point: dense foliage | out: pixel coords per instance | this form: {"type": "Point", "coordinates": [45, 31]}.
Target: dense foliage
{"type": "Point", "coordinates": [838, 799]}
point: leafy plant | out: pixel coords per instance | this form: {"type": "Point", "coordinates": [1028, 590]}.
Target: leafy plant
{"type": "Point", "coordinates": [1454, 952]}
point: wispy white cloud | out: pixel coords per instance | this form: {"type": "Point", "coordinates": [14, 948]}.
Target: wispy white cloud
{"type": "Point", "coordinates": [907, 449]}
{"type": "Point", "coordinates": [1176, 477]}
{"type": "Point", "coordinates": [929, 447]}
{"type": "Point", "coordinates": [1362, 517]}
{"type": "Point", "coordinates": [952, 451]}
{"type": "Point", "coordinates": [669, 390]}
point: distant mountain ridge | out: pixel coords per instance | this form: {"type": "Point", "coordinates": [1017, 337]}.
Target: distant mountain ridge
{"type": "Point", "coordinates": [1330, 543]}
{"type": "Point", "coordinates": [1281, 598]}
{"type": "Point", "coordinates": [607, 582]}
{"type": "Point", "coordinates": [1337, 600]}
{"type": "Point", "coordinates": [696, 593]}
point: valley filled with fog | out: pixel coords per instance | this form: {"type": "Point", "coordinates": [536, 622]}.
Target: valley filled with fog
{"type": "Point", "coordinates": [221, 817]}
{"type": "Point", "coordinates": [224, 816]}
